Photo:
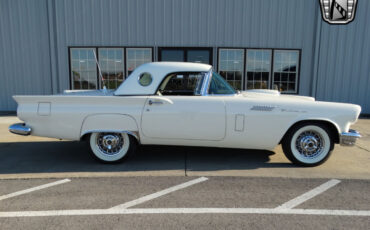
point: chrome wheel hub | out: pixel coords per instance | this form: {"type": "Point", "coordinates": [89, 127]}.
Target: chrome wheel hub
{"type": "Point", "coordinates": [310, 144]}
{"type": "Point", "coordinates": [110, 143]}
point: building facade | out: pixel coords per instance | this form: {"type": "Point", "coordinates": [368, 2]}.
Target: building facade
{"type": "Point", "coordinates": [48, 46]}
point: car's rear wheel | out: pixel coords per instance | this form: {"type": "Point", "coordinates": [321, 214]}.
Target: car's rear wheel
{"type": "Point", "coordinates": [308, 144]}
{"type": "Point", "coordinates": [112, 147]}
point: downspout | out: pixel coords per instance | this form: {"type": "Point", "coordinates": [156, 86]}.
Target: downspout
{"type": "Point", "coordinates": [316, 54]}
{"type": "Point", "coordinates": [53, 54]}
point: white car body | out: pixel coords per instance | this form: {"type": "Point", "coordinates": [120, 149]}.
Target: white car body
{"type": "Point", "coordinates": [252, 119]}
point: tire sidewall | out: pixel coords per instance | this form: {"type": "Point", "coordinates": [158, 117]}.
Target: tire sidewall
{"type": "Point", "coordinates": [110, 158]}
{"type": "Point", "coordinates": [293, 154]}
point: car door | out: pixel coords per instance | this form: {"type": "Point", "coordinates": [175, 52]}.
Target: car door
{"type": "Point", "coordinates": [184, 117]}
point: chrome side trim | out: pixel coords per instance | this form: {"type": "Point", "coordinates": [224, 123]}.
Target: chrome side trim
{"type": "Point", "coordinates": [206, 82]}
{"type": "Point", "coordinates": [133, 133]}
{"type": "Point", "coordinates": [263, 108]}
{"type": "Point", "coordinates": [20, 129]}
{"type": "Point", "coordinates": [349, 139]}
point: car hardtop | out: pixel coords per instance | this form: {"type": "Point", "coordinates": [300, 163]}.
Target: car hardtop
{"type": "Point", "coordinates": [157, 71]}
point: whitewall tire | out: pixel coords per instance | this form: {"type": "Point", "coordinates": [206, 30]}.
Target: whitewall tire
{"type": "Point", "coordinates": [308, 144]}
{"type": "Point", "coordinates": [112, 147]}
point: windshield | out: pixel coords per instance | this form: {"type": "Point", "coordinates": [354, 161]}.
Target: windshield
{"type": "Point", "coordinates": [219, 85]}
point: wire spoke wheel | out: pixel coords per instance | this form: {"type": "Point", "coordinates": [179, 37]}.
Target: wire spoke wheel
{"type": "Point", "coordinates": [110, 143]}
{"type": "Point", "coordinates": [308, 144]}
{"type": "Point", "coordinates": [110, 147]}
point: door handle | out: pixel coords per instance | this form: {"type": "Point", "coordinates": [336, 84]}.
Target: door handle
{"type": "Point", "coordinates": [155, 102]}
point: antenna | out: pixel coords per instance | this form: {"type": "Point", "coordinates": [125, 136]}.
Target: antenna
{"type": "Point", "coordinates": [100, 74]}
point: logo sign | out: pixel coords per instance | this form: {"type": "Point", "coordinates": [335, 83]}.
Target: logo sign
{"type": "Point", "coordinates": [338, 11]}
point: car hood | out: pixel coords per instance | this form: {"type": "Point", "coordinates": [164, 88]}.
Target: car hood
{"type": "Point", "coordinates": [271, 94]}
{"type": "Point", "coordinates": [342, 113]}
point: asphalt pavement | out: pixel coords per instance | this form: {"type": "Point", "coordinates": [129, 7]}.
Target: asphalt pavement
{"type": "Point", "coordinates": [213, 203]}
{"type": "Point", "coordinates": [53, 184]}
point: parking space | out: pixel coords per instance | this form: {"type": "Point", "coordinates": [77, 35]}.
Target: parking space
{"type": "Point", "coordinates": [150, 195]}
{"type": "Point", "coordinates": [235, 192]}
{"type": "Point", "coordinates": [348, 194]}
{"type": "Point", "coordinates": [99, 193]}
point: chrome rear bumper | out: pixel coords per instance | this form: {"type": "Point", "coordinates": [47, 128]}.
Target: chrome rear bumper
{"type": "Point", "coordinates": [20, 129]}
{"type": "Point", "coordinates": [349, 139]}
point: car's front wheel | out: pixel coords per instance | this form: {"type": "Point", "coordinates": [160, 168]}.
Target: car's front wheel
{"type": "Point", "coordinates": [112, 147]}
{"type": "Point", "coordinates": [308, 144]}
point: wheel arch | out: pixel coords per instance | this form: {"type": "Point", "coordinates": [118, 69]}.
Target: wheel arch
{"type": "Point", "coordinates": [86, 135]}
{"type": "Point", "coordinates": [119, 123]}
{"type": "Point", "coordinates": [334, 129]}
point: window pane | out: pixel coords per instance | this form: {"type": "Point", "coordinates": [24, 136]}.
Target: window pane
{"type": "Point", "coordinates": [91, 65]}
{"type": "Point", "coordinates": [231, 65]}
{"type": "Point", "coordinates": [83, 68]}
{"type": "Point", "coordinates": [182, 84]}
{"type": "Point", "coordinates": [111, 64]}
{"type": "Point", "coordinates": [137, 57]}
{"type": "Point", "coordinates": [258, 68]}
{"type": "Point", "coordinates": [172, 55]}
{"type": "Point", "coordinates": [199, 56]}
{"type": "Point", "coordinates": [83, 54]}
{"type": "Point", "coordinates": [75, 54]}
{"type": "Point", "coordinates": [286, 70]}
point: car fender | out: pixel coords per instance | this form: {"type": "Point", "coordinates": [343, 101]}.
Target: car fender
{"type": "Point", "coordinates": [110, 123]}
{"type": "Point", "coordinates": [310, 118]}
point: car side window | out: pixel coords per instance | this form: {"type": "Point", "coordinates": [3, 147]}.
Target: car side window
{"type": "Point", "coordinates": [219, 85]}
{"type": "Point", "coordinates": [182, 84]}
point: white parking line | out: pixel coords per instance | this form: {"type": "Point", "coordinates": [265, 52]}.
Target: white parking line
{"type": "Point", "coordinates": [3, 197]}
{"type": "Point", "coordinates": [308, 195]}
{"type": "Point", "coordinates": [160, 193]}
{"type": "Point", "coordinates": [85, 212]}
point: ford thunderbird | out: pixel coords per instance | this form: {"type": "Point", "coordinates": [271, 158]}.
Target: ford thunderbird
{"type": "Point", "coordinates": [188, 104]}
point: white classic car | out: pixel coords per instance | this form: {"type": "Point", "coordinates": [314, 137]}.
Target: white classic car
{"type": "Point", "coordinates": [187, 104]}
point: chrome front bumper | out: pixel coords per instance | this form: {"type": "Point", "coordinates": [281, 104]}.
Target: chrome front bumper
{"type": "Point", "coordinates": [349, 139]}
{"type": "Point", "coordinates": [20, 129]}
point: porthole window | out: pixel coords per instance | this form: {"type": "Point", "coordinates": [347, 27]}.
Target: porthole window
{"type": "Point", "coordinates": [145, 79]}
